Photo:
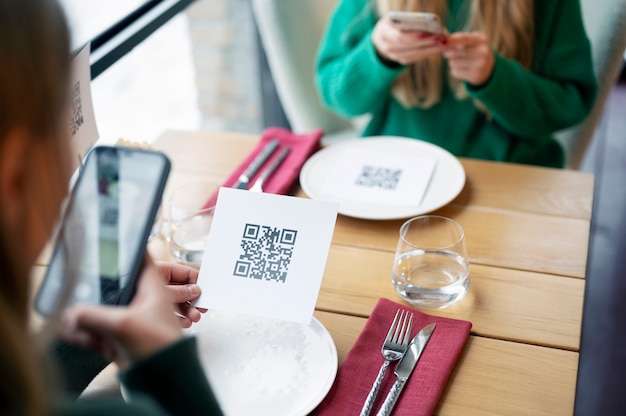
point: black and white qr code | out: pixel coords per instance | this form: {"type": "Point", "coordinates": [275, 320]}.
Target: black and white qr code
{"type": "Point", "coordinates": [77, 119]}
{"type": "Point", "coordinates": [267, 252]}
{"type": "Point", "coordinates": [377, 177]}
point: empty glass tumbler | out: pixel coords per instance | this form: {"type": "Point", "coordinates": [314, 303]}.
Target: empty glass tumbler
{"type": "Point", "coordinates": [191, 209]}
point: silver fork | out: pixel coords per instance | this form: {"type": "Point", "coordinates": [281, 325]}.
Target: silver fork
{"type": "Point", "coordinates": [393, 348]}
{"type": "Point", "coordinates": [258, 184]}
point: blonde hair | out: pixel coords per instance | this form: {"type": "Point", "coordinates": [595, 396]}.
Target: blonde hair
{"type": "Point", "coordinates": [509, 25]}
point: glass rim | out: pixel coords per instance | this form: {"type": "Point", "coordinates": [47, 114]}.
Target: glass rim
{"type": "Point", "coordinates": [408, 222]}
{"type": "Point", "coordinates": [200, 211]}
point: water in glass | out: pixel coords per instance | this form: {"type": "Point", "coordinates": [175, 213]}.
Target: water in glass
{"type": "Point", "coordinates": [431, 279]}
{"type": "Point", "coordinates": [188, 238]}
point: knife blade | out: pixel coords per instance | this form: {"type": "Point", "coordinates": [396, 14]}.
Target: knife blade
{"type": "Point", "coordinates": [269, 171]}
{"type": "Point", "coordinates": [405, 368]}
{"type": "Point", "coordinates": [244, 179]}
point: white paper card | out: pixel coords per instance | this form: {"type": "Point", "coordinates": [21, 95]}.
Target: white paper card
{"type": "Point", "coordinates": [266, 254]}
{"type": "Point", "coordinates": [83, 129]}
{"type": "Point", "coordinates": [374, 177]}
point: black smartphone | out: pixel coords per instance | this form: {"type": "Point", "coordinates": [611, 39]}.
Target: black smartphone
{"type": "Point", "coordinates": [103, 235]}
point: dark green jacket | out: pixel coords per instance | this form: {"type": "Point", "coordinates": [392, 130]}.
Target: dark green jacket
{"type": "Point", "coordinates": [170, 382]}
{"type": "Point", "coordinates": [527, 107]}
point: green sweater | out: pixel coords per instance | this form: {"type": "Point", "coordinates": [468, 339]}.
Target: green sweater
{"type": "Point", "coordinates": [170, 382]}
{"type": "Point", "coordinates": [526, 107]}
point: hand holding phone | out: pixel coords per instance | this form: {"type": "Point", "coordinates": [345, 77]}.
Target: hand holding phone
{"type": "Point", "coordinates": [416, 22]}
{"type": "Point", "coordinates": [129, 334]}
{"type": "Point", "coordinates": [421, 35]}
{"type": "Point", "coordinates": [103, 236]}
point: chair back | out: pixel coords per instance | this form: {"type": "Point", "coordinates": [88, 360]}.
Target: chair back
{"type": "Point", "coordinates": [290, 32]}
{"type": "Point", "coordinates": [605, 23]}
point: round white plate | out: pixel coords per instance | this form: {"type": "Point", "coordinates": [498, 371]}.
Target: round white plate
{"type": "Point", "coordinates": [258, 366]}
{"type": "Point", "coordinates": [446, 183]}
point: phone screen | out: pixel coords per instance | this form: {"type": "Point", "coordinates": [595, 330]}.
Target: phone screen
{"type": "Point", "coordinates": [105, 228]}
{"type": "Point", "coordinates": [416, 21]}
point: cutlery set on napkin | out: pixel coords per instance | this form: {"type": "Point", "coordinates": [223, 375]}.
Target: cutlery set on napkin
{"type": "Point", "coordinates": [429, 366]}
{"type": "Point", "coordinates": [396, 347]}
{"type": "Point", "coordinates": [253, 168]}
{"type": "Point", "coordinates": [283, 151]}
{"type": "Point", "coordinates": [292, 151]}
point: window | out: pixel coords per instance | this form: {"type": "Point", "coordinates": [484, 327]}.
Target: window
{"type": "Point", "coordinates": [142, 65]}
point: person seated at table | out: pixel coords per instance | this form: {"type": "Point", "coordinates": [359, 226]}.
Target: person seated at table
{"type": "Point", "coordinates": [160, 368]}
{"type": "Point", "coordinates": [496, 85]}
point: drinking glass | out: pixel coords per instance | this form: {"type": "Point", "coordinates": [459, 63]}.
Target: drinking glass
{"type": "Point", "coordinates": [190, 218]}
{"type": "Point", "coordinates": [430, 268]}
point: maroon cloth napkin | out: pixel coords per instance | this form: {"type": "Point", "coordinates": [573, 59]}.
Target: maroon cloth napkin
{"type": "Point", "coordinates": [302, 147]}
{"type": "Point", "coordinates": [423, 389]}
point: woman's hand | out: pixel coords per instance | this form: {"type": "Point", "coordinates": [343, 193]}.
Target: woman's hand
{"type": "Point", "coordinates": [181, 284]}
{"type": "Point", "coordinates": [470, 57]}
{"type": "Point", "coordinates": [404, 47]}
{"type": "Point", "coordinates": [128, 334]}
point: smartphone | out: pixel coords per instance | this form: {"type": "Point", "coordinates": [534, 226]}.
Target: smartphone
{"type": "Point", "coordinates": [102, 237]}
{"type": "Point", "coordinates": [416, 21]}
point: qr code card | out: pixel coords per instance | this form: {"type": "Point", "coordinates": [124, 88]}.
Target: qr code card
{"type": "Point", "coordinates": [82, 120]}
{"type": "Point", "coordinates": [266, 254]}
{"type": "Point", "coordinates": [372, 177]}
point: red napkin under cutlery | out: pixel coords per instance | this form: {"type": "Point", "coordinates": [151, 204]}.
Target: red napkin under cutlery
{"type": "Point", "coordinates": [302, 147]}
{"type": "Point", "coordinates": [425, 385]}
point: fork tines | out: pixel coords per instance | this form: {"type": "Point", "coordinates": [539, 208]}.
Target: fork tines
{"type": "Point", "coordinates": [401, 327]}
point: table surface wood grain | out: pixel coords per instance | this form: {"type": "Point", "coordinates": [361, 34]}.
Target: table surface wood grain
{"type": "Point", "coordinates": [527, 231]}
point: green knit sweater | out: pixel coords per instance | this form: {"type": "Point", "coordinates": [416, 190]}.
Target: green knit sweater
{"type": "Point", "coordinates": [526, 107]}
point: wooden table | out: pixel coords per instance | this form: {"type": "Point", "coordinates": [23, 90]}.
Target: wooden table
{"type": "Point", "coordinates": [527, 231]}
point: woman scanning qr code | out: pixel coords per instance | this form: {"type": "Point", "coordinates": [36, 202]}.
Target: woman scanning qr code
{"type": "Point", "coordinates": [159, 368]}
{"type": "Point", "coordinates": [496, 84]}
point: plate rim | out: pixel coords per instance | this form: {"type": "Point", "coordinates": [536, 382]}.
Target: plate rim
{"type": "Point", "coordinates": [406, 211]}
{"type": "Point", "coordinates": [310, 403]}
{"type": "Point", "coordinates": [333, 368]}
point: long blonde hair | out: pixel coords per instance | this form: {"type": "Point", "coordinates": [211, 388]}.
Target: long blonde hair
{"type": "Point", "coordinates": [509, 25]}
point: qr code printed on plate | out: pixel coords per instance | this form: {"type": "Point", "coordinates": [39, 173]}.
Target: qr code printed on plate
{"type": "Point", "coordinates": [378, 177]}
{"type": "Point", "coordinates": [77, 119]}
{"type": "Point", "coordinates": [267, 253]}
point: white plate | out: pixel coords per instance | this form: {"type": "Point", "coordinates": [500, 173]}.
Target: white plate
{"type": "Point", "coordinates": [258, 366]}
{"type": "Point", "coordinates": [447, 181]}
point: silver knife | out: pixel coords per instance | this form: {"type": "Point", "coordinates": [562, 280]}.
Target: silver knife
{"type": "Point", "coordinates": [405, 368]}
{"type": "Point", "coordinates": [258, 184]}
{"type": "Point", "coordinates": [244, 179]}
